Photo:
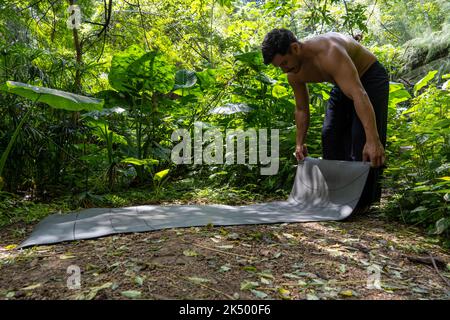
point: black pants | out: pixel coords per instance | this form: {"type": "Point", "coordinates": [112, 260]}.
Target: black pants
{"type": "Point", "coordinates": [343, 136]}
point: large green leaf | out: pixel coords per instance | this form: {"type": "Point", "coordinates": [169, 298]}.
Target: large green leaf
{"type": "Point", "coordinates": [231, 108]}
{"type": "Point", "coordinates": [104, 113]}
{"type": "Point", "coordinates": [424, 81]}
{"type": "Point", "coordinates": [118, 76]}
{"type": "Point", "coordinates": [140, 162]}
{"type": "Point", "coordinates": [207, 78]}
{"type": "Point", "coordinates": [265, 78]}
{"type": "Point", "coordinates": [102, 130]}
{"type": "Point", "coordinates": [185, 79]}
{"type": "Point", "coordinates": [397, 94]}
{"type": "Point", "coordinates": [160, 175]}
{"type": "Point", "coordinates": [134, 70]}
{"type": "Point", "coordinates": [279, 91]}
{"type": "Point", "coordinates": [252, 59]}
{"type": "Point", "coordinates": [225, 3]}
{"type": "Point", "coordinates": [54, 98]}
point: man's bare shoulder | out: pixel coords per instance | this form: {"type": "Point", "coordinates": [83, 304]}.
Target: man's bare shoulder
{"type": "Point", "coordinates": [337, 35]}
{"type": "Point", "coordinates": [330, 38]}
{"type": "Point", "coordinates": [340, 48]}
{"type": "Point", "coordinates": [326, 46]}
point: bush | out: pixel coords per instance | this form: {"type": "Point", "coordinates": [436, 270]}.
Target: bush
{"type": "Point", "coordinates": [419, 150]}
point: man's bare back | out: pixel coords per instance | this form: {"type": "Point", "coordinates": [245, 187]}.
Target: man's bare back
{"type": "Point", "coordinates": [319, 49]}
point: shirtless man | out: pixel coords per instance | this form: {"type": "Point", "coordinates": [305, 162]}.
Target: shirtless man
{"type": "Point", "coordinates": [354, 128]}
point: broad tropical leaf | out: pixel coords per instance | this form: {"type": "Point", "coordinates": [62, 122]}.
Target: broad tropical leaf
{"type": "Point", "coordinates": [253, 59]}
{"type": "Point", "coordinates": [424, 81]}
{"type": "Point", "coordinates": [231, 108]}
{"type": "Point", "coordinates": [185, 79]}
{"type": "Point", "coordinates": [397, 94]}
{"type": "Point", "coordinates": [160, 175]}
{"type": "Point", "coordinates": [55, 98]}
{"type": "Point", "coordinates": [134, 70]}
{"type": "Point", "coordinates": [279, 91]}
{"type": "Point", "coordinates": [104, 113]}
{"type": "Point", "coordinates": [207, 78]}
{"type": "Point", "coordinates": [140, 162]}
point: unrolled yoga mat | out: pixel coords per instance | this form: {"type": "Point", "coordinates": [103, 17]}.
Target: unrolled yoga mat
{"type": "Point", "coordinates": [323, 190]}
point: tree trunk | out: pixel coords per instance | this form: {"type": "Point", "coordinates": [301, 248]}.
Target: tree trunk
{"type": "Point", "coordinates": [79, 63]}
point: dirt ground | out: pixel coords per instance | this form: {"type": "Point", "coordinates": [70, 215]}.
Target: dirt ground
{"type": "Point", "coordinates": [362, 258]}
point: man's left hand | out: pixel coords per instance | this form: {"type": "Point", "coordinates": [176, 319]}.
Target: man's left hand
{"type": "Point", "coordinates": [374, 152]}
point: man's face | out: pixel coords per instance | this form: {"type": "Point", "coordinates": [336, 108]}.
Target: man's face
{"type": "Point", "coordinates": [287, 63]}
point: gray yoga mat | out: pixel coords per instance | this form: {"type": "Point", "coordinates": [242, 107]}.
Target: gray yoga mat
{"type": "Point", "coordinates": [323, 190]}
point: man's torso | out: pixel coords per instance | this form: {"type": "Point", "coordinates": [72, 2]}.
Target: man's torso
{"type": "Point", "coordinates": [318, 48]}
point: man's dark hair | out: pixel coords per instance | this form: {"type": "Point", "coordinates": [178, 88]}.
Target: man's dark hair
{"type": "Point", "coordinates": [277, 41]}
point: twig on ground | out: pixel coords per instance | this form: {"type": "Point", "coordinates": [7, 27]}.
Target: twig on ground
{"type": "Point", "coordinates": [426, 260]}
{"type": "Point", "coordinates": [437, 270]}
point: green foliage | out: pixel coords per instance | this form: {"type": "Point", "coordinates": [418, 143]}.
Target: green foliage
{"type": "Point", "coordinates": [402, 20]}
{"type": "Point", "coordinates": [134, 70]}
{"type": "Point", "coordinates": [55, 98]}
{"type": "Point", "coordinates": [390, 57]}
{"type": "Point", "coordinates": [15, 209]}
{"type": "Point", "coordinates": [419, 153]}
{"type": "Point", "coordinates": [10, 145]}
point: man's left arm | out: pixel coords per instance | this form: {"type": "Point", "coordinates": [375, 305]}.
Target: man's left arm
{"type": "Point", "coordinates": [339, 65]}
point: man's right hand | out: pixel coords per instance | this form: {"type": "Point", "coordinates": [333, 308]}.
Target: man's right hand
{"type": "Point", "coordinates": [301, 152]}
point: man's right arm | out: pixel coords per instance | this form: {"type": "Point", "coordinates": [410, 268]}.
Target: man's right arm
{"type": "Point", "coordinates": [301, 110]}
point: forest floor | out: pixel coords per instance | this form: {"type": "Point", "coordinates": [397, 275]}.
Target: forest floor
{"type": "Point", "coordinates": [365, 257]}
